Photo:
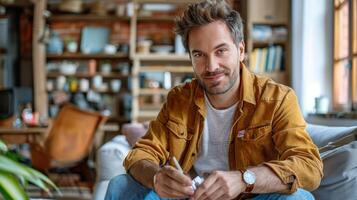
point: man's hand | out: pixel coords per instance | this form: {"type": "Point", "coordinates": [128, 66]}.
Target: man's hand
{"type": "Point", "coordinates": [221, 185]}
{"type": "Point", "coordinates": [171, 183]}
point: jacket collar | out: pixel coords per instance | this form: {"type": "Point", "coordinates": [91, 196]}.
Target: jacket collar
{"type": "Point", "coordinates": [247, 83]}
{"type": "Point", "coordinates": [245, 92]}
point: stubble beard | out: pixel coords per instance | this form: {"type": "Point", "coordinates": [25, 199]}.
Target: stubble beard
{"type": "Point", "coordinates": [213, 90]}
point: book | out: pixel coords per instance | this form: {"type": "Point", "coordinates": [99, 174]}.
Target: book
{"type": "Point", "coordinates": [278, 59]}
{"type": "Point", "coordinates": [263, 60]}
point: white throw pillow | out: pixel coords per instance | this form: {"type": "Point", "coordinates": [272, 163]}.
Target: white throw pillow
{"type": "Point", "coordinates": [110, 158]}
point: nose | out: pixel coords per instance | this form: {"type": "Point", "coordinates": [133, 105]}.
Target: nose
{"type": "Point", "coordinates": [211, 64]}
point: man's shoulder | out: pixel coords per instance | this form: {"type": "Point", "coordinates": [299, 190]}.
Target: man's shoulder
{"type": "Point", "coordinates": [270, 90]}
{"type": "Point", "coordinates": [183, 92]}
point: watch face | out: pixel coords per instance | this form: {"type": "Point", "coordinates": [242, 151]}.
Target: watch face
{"type": "Point", "coordinates": [249, 177]}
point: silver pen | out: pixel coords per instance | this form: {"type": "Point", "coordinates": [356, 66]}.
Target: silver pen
{"type": "Point", "coordinates": [177, 165]}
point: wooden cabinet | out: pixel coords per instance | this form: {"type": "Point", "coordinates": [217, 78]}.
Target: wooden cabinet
{"type": "Point", "coordinates": [268, 36]}
{"type": "Point", "coordinates": [270, 11]}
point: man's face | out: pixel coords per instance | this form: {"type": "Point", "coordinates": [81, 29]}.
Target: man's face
{"type": "Point", "coordinates": [215, 57]}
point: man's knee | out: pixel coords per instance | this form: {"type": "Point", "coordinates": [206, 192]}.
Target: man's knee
{"type": "Point", "coordinates": [300, 194]}
{"type": "Point", "coordinates": [119, 181]}
{"type": "Point", "coordinates": [123, 187]}
{"type": "Point", "coordinates": [116, 186]}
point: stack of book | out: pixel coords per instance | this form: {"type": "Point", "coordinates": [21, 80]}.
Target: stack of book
{"type": "Point", "coordinates": [267, 60]}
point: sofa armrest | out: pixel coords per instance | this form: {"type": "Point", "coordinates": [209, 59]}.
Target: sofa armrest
{"type": "Point", "coordinates": [322, 135]}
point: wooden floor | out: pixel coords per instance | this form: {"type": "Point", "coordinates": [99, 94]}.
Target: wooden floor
{"type": "Point", "coordinates": [68, 193]}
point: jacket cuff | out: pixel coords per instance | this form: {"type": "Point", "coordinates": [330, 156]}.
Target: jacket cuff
{"type": "Point", "coordinates": [287, 176]}
{"type": "Point", "coordinates": [137, 155]}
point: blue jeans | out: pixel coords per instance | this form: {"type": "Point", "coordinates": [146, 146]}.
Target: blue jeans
{"type": "Point", "coordinates": [125, 187]}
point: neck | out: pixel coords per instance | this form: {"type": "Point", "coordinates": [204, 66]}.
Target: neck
{"type": "Point", "coordinates": [226, 100]}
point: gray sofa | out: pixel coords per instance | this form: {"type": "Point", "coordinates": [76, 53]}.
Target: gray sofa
{"type": "Point", "coordinates": [338, 148]}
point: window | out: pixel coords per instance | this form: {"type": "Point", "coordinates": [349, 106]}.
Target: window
{"type": "Point", "coordinates": [354, 56]}
{"type": "Point", "coordinates": [345, 55]}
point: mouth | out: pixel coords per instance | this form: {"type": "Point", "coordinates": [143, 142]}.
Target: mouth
{"type": "Point", "coordinates": [215, 77]}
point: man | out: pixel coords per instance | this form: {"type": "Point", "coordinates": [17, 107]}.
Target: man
{"type": "Point", "coordinates": [244, 133]}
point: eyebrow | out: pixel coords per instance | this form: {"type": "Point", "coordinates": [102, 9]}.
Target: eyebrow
{"type": "Point", "coordinates": [216, 47]}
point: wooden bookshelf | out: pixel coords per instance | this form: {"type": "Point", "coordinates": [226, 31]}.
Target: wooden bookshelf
{"type": "Point", "coordinates": [174, 69]}
{"type": "Point", "coordinates": [153, 91]}
{"type": "Point", "coordinates": [165, 1]}
{"type": "Point", "coordinates": [162, 57]}
{"type": "Point", "coordinates": [268, 31]}
{"type": "Point", "coordinates": [87, 56]}
{"type": "Point", "coordinates": [86, 75]}
{"type": "Point", "coordinates": [156, 18]}
{"type": "Point", "coordinates": [86, 17]}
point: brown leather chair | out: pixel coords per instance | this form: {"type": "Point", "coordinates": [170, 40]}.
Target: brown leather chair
{"type": "Point", "coordinates": [69, 140]}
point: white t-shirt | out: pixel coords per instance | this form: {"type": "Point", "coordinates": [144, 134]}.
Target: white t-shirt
{"type": "Point", "coordinates": [213, 152]}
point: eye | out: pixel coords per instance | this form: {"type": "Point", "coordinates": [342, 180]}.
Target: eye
{"type": "Point", "coordinates": [197, 54]}
{"type": "Point", "coordinates": [221, 51]}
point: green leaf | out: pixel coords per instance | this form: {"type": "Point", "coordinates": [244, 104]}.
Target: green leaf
{"type": "Point", "coordinates": [45, 179]}
{"type": "Point", "coordinates": [10, 187]}
{"type": "Point", "coordinates": [10, 168]}
{"type": "Point", "coordinates": [23, 172]}
{"type": "Point", "coordinates": [13, 167]}
{"type": "Point", "coordinates": [3, 147]}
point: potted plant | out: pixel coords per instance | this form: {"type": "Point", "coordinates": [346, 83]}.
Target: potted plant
{"type": "Point", "coordinates": [14, 176]}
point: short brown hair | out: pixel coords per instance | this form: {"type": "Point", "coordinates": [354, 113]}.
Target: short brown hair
{"type": "Point", "coordinates": [208, 11]}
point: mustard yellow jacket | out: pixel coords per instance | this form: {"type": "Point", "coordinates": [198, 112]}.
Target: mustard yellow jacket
{"type": "Point", "coordinates": [268, 118]}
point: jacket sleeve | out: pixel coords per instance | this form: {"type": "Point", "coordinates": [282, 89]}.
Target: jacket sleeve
{"type": "Point", "coordinates": [300, 164]}
{"type": "Point", "coordinates": [153, 145]}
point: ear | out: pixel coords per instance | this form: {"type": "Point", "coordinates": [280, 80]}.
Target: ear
{"type": "Point", "coordinates": [241, 49]}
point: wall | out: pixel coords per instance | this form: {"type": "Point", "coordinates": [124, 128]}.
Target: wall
{"type": "Point", "coordinates": [312, 51]}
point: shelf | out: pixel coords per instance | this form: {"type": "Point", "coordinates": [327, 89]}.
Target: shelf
{"type": "Point", "coordinates": [269, 42]}
{"type": "Point", "coordinates": [154, 91]}
{"type": "Point", "coordinates": [278, 76]}
{"type": "Point", "coordinates": [86, 75]}
{"type": "Point", "coordinates": [174, 69]}
{"type": "Point", "coordinates": [162, 57]}
{"type": "Point", "coordinates": [97, 91]}
{"type": "Point", "coordinates": [18, 3]}
{"type": "Point", "coordinates": [166, 1]}
{"type": "Point", "coordinates": [148, 113]}
{"type": "Point", "coordinates": [150, 107]}
{"type": "Point", "coordinates": [87, 56]}
{"type": "Point", "coordinates": [270, 23]}
{"type": "Point", "coordinates": [156, 18]}
{"type": "Point", "coordinates": [87, 17]}
{"type": "Point", "coordinates": [119, 120]}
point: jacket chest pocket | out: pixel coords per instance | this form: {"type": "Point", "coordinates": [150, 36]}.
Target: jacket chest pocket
{"type": "Point", "coordinates": [257, 133]}
{"type": "Point", "coordinates": [179, 131]}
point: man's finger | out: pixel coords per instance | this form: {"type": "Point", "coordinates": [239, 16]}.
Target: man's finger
{"type": "Point", "coordinates": [179, 191]}
{"type": "Point", "coordinates": [204, 187]}
{"type": "Point", "coordinates": [213, 190]}
{"type": "Point", "coordinates": [173, 185]}
{"type": "Point", "coordinates": [177, 175]}
{"type": "Point", "coordinates": [217, 194]}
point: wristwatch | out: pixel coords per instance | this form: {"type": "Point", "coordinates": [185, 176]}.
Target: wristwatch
{"type": "Point", "coordinates": [249, 179]}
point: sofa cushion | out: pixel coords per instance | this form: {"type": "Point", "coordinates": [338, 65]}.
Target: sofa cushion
{"type": "Point", "coordinates": [110, 158]}
{"type": "Point", "coordinates": [134, 131]}
{"type": "Point", "coordinates": [322, 135]}
{"type": "Point", "coordinates": [340, 173]}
